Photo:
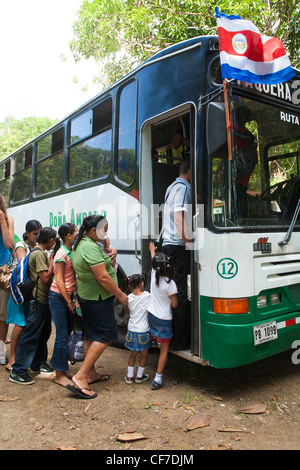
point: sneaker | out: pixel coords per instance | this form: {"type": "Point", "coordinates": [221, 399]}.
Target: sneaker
{"type": "Point", "coordinates": [140, 380]}
{"type": "Point", "coordinates": [156, 385]}
{"type": "Point", "coordinates": [129, 380]}
{"type": "Point", "coordinates": [21, 379]}
{"type": "Point", "coordinates": [43, 369]}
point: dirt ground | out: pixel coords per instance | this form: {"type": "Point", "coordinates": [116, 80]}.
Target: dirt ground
{"type": "Point", "coordinates": [256, 407]}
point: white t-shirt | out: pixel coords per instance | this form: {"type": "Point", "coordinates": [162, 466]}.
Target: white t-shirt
{"type": "Point", "coordinates": [178, 199]}
{"type": "Point", "coordinates": [160, 303]}
{"type": "Point", "coordinates": [138, 312]}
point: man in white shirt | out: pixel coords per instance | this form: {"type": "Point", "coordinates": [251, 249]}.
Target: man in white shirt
{"type": "Point", "coordinates": [177, 235]}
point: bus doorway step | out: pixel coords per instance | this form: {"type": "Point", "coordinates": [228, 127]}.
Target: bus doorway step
{"type": "Point", "coordinates": [187, 354]}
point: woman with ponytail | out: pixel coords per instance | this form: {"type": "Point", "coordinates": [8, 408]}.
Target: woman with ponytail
{"type": "Point", "coordinates": [61, 301]}
{"type": "Point", "coordinates": [96, 288]}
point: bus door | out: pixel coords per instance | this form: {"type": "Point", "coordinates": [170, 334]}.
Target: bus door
{"type": "Point", "coordinates": [166, 140]}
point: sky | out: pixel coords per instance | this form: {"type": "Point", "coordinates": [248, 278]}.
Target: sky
{"type": "Point", "coordinates": [34, 80]}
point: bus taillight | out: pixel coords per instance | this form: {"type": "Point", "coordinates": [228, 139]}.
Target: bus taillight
{"type": "Point", "coordinates": [231, 306]}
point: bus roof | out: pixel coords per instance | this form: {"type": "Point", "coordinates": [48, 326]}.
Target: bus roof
{"type": "Point", "coordinates": [169, 51]}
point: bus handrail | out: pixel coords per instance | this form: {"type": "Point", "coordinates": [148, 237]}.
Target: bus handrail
{"type": "Point", "coordinates": [291, 227]}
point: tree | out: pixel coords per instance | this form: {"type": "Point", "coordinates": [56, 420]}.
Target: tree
{"type": "Point", "coordinates": [14, 133]}
{"type": "Point", "coordinates": [121, 34]}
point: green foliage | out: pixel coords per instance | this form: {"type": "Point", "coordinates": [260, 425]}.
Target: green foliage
{"type": "Point", "coordinates": [14, 133]}
{"type": "Point", "coordinates": [123, 33]}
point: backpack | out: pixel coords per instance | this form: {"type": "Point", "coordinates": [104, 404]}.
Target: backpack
{"type": "Point", "coordinates": [20, 285]}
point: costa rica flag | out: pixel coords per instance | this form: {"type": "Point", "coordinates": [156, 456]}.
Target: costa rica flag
{"type": "Point", "coordinates": [247, 55]}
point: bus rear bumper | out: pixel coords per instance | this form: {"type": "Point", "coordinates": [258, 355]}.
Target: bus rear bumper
{"type": "Point", "coordinates": [232, 345]}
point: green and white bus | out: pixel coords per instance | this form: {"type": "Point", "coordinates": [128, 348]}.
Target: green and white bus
{"type": "Point", "coordinates": [114, 156]}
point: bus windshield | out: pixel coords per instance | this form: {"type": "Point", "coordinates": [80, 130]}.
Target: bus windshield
{"type": "Point", "coordinates": [260, 186]}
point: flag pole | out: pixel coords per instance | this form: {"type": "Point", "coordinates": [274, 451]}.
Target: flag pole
{"type": "Point", "coordinates": [227, 116]}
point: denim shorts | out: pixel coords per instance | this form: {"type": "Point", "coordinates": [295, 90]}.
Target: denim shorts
{"type": "Point", "coordinates": [138, 341]}
{"type": "Point", "coordinates": [161, 330]}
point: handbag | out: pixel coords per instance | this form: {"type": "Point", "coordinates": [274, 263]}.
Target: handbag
{"type": "Point", "coordinates": [75, 347]}
{"type": "Point", "coordinates": [75, 338]}
{"type": "Point", "coordinates": [6, 272]}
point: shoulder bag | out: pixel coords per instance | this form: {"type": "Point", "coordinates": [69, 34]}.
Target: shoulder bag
{"type": "Point", "coordinates": [6, 271]}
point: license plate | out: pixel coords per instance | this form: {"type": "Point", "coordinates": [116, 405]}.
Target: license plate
{"type": "Point", "coordinates": [265, 332]}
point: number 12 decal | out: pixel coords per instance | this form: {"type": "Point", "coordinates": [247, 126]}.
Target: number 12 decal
{"type": "Point", "coordinates": [227, 268]}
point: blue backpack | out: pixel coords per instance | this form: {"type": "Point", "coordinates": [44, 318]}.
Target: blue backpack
{"type": "Point", "coordinates": [20, 284]}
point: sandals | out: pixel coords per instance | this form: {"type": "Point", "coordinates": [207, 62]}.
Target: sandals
{"type": "Point", "coordinates": [155, 385]}
{"type": "Point", "coordinates": [79, 392]}
{"type": "Point", "coordinates": [100, 379]}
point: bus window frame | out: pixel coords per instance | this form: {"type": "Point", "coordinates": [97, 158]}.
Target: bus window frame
{"type": "Point", "coordinates": [118, 180]}
{"type": "Point", "coordinates": [36, 161]}
{"type": "Point", "coordinates": [9, 177]}
{"type": "Point", "coordinates": [15, 172]}
{"type": "Point", "coordinates": [244, 93]}
{"type": "Point", "coordinates": [69, 145]}
{"type": "Point", "coordinates": [94, 180]}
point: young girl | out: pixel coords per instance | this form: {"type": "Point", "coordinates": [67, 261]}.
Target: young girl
{"type": "Point", "coordinates": [30, 236]}
{"type": "Point", "coordinates": [61, 301]}
{"type": "Point", "coordinates": [163, 299]}
{"type": "Point", "coordinates": [138, 338]}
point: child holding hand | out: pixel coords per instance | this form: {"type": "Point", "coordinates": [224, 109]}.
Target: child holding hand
{"type": "Point", "coordinates": [138, 338]}
{"type": "Point", "coordinates": [163, 299]}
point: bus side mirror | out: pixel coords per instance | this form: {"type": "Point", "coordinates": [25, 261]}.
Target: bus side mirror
{"type": "Point", "coordinates": [216, 136]}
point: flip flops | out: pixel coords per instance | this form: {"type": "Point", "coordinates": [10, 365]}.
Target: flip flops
{"type": "Point", "coordinates": [101, 379]}
{"type": "Point", "coordinates": [79, 392]}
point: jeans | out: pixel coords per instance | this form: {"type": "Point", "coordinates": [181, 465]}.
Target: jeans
{"type": "Point", "coordinates": [62, 319]}
{"type": "Point", "coordinates": [32, 348]}
{"type": "Point", "coordinates": [182, 313]}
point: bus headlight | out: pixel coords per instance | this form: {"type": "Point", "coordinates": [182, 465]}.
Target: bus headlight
{"type": "Point", "coordinates": [275, 298]}
{"type": "Point", "coordinates": [262, 301]}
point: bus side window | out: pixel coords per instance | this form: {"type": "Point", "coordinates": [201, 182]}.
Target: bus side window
{"type": "Point", "coordinates": [91, 159]}
{"type": "Point", "coordinates": [127, 134]}
{"type": "Point", "coordinates": [22, 175]}
{"type": "Point", "coordinates": [90, 151]}
{"type": "Point", "coordinates": [50, 163]}
{"type": "Point", "coordinates": [4, 180]}
{"type": "Point", "coordinates": [82, 126]}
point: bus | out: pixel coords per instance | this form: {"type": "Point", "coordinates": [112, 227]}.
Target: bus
{"type": "Point", "coordinates": [114, 156]}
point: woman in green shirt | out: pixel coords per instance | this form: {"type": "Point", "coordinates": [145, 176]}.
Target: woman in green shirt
{"type": "Point", "coordinates": [96, 288]}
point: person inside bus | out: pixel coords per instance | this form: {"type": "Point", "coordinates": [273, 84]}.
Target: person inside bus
{"type": "Point", "coordinates": [177, 236]}
{"type": "Point", "coordinates": [181, 137]}
{"type": "Point", "coordinates": [6, 242]}
{"type": "Point", "coordinates": [32, 350]}
{"type": "Point", "coordinates": [17, 314]}
{"type": "Point", "coordinates": [96, 288]}
{"type": "Point", "coordinates": [245, 157]}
